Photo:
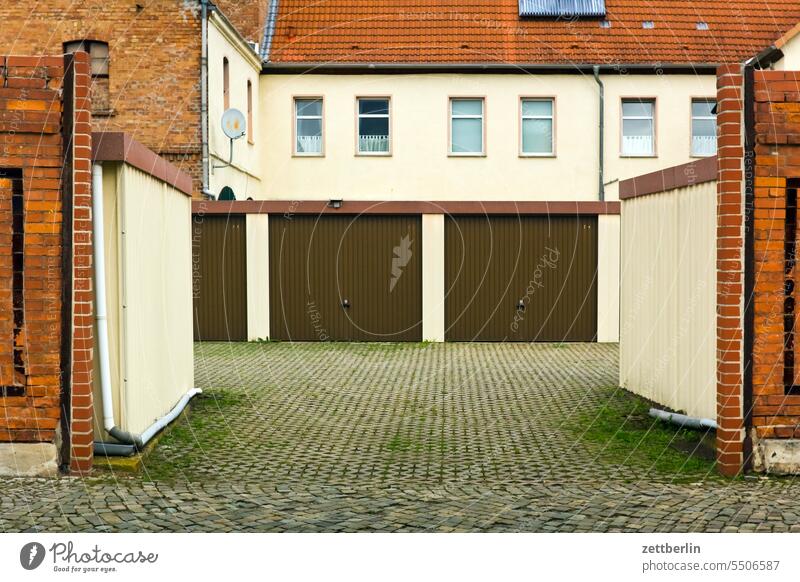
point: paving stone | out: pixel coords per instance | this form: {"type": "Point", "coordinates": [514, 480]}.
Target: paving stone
{"type": "Point", "coordinates": [373, 437]}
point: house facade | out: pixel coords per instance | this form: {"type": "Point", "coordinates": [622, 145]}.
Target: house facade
{"type": "Point", "coordinates": [478, 149]}
{"type": "Point", "coordinates": [152, 64]}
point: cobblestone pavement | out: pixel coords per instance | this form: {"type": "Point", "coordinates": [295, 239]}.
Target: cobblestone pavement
{"type": "Point", "coordinates": [384, 437]}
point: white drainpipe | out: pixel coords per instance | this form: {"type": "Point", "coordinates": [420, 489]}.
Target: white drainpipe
{"type": "Point", "coordinates": [132, 442]}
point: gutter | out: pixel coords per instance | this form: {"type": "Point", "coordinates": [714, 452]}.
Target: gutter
{"type": "Point", "coordinates": [361, 68]}
{"type": "Point", "coordinates": [269, 30]}
{"type": "Point", "coordinates": [601, 187]}
{"type": "Point", "coordinates": [766, 58]}
{"type": "Point", "coordinates": [131, 443]}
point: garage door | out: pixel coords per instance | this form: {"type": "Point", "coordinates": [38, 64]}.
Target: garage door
{"type": "Point", "coordinates": [345, 278]}
{"type": "Point", "coordinates": [511, 278]}
{"type": "Point", "coordinates": [219, 278]}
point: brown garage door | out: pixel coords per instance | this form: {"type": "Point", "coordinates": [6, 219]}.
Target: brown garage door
{"type": "Point", "coordinates": [512, 278]}
{"type": "Point", "coordinates": [219, 278]}
{"type": "Point", "coordinates": [348, 278]}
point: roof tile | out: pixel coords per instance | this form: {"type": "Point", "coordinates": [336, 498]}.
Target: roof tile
{"type": "Point", "coordinates": [491, 31]}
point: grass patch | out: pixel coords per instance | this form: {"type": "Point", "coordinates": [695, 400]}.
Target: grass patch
{"type": "Point", "coordinates": [623, 433]}
{"type": "Point", "coordinates": [181, 449]}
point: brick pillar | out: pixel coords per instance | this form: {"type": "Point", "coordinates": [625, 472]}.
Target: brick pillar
{"type": "Point", "coordinates": [79, 144]}
{"type": "Point", "coordinates": [730, 271]}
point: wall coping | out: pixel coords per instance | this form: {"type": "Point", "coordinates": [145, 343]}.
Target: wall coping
{"type": "Point", "coordinates": [350, 207]}
{"type": "Point", "coordinates": [117, 146]}
{"type": "Point", "coordinates": [693, 173]}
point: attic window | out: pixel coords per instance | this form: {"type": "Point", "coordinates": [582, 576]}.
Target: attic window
{"type": "Point", "coordinates": [702, 26]}
{"type": "Point", "coordinates": [561, 8]}
{"type": "Point", "coordinates": [605, 24]}
{"type": "Point", "coordinates": [648, 24]}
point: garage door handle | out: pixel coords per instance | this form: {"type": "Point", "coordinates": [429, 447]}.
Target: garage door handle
{"type": "Point", "coordinates": [346, 303]}
{"type": "Point", "coordinates": [521, 305]}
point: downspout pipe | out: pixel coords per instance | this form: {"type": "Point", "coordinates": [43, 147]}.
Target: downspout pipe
{"type": "Point", "coordinates": [748, 336]}
{"type": "Point", "coordinates": [131, 443]}
{"type": "Point", "coordinates": [601, 187]}
{"type": "Point", "coordinates": [683, 420]}
{"type": "Point", "coordinates": [204, 99]}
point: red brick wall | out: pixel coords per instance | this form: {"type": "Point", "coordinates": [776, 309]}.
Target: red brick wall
{"type": "Point", "coordinates": [30, 142]}
{"type": "Point", "coordinates": [45, 158]}
{"type": "Point", "coordinates": [80, 343]}
{"type": "Point", "coordinates": [730, 272]}
{"type": "Point", "coordinates": [154, 70]}
{"type": "Point", "coordinates": [246, 15]}
{"type": "Point", "coordinates": [777, 117]}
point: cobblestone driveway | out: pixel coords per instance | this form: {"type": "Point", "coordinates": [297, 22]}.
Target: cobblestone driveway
{"type": "Point", "coordinates": [369, 437]}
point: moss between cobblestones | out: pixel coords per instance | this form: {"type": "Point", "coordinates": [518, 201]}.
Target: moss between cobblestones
{"type": "Point", "coordinates": [626, 435]}
{"type": "Point", "coordinates": [201, 429]}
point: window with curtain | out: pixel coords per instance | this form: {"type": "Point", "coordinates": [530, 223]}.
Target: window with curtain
{"type": "Point", "coordinates": [373, 126]}
{"type": "Point", "coordinates": [638, 127]}
{"type": "Point", "coordinates": [704, 127]}
{"type": "Point", "coordinates": [537, 127]}
{"type": "Point", "coordinates": [466, 127]}
{"type": "Point", "coordinates": [308, 126]}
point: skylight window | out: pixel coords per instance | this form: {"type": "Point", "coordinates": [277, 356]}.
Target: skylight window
{"type": "Point", "coordinates": [562, 8]}
{"type": "Point", "coordinates": [702, 26]}
{"type": "Point", "coordinates": [648, 24]}
{"type": "Point", "coordinates": [605, 24]}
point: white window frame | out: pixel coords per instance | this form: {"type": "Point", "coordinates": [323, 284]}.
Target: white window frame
{"type": "Point", "coordinates": [387, 115]}
{"type": "Point", "coordinates": [451, 117]}
{"type": "Point", "coordinates": [551, 117]}
{"type": "Point", "coordinates": [652, 119]}
{"type": "Point", "coordinates": [691, 129]}
{"type": "Point", "coordinates": [297, 118]}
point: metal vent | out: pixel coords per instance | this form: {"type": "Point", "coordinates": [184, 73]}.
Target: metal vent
{"type": "Point", "coordinates": [562, 8]}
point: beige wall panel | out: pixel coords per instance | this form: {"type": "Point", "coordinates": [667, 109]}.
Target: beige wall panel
{"type": "Point", "coordinates": [433, 314]}
{"type": "Point", "coordinates": [608, 278]}
{"type": "Point", "coordinates": [667, 298]}
{"type": "Point", "coordinates": [157, 281]}
{"type": "Point", "coordinates": [257, 233]}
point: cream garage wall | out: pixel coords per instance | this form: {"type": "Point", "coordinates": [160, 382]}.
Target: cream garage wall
{"type": "Point", "coordinates": [668, 298]}
{"type": "Point", "coordinates": [244, 175]}
{"type": "Point", "coordinates": [149, 283]}
{"type": "Point", "coordinates": [157, 276]}
{"type": "Point", "coordinates": [419, 167]}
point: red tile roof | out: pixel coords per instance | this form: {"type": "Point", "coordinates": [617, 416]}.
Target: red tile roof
{"type": "Point", "coordinates": [491, 31]}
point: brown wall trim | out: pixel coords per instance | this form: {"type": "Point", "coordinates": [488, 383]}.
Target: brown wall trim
{"type": "Point", "coordinates": [590, 207]}
{"type": "Point", "coordinates": [116, 146]}
{"type": "Point", "coordinates": [697, 172]}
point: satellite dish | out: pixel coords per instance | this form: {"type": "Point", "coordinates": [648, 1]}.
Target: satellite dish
{"type": "Point", "coordinates": [233, 123]}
